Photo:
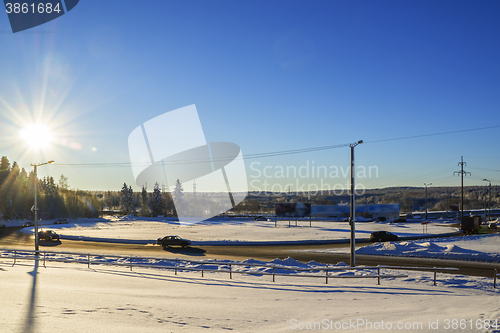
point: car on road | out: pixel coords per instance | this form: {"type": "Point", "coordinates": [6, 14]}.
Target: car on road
{"type": "Point", "coordinates": [260, 218]}
{"type": "Point", "coordinates": [48, 235]}
{"type": "Point", "coordinates": [382, 236]}
{"type": "Point", "coordinates": [173, 240]}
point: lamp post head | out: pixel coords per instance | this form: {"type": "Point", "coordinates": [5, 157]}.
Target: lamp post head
{"type": "Point", "coordinates": [50, 162]}
{"type": "Point", "coordinates": [352, 145]}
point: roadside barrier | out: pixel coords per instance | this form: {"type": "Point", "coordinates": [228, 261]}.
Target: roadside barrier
{"type": "Point", "coordinates": [215, 266]}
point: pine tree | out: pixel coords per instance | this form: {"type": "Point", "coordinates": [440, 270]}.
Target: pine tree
{"type": "Point", "coordinates": [63, 182]}
{"type": "Point", "coordinates": [157, 202]}
{"type": "Point", "coordinates": [178, 194]}
{"type": "Point", "coordinates": [131, 199]}
{"type": "Point", "coordinates": [144, 203]}
{"type": "Point", "coordinates": [127, 200]}
{"type": "Point", "coordinates": [4, 193]}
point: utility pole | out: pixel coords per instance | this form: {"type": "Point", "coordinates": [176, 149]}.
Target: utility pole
{"type": "Point", "coordinates": [353, 207]}
{"type": "Point", "coordinates": [35, 206]}
{"type": "Point", "coordinates": [426, 199]}
{"type": "Point", "coordinates": [489, 200]}
{"type": "Point", "coordinates": [462, 173]}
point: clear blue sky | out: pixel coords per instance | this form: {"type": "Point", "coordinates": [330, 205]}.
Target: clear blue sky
{"type": "Point", "coordinates": [267, 75]}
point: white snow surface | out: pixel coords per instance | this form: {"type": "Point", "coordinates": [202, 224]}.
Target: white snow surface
{"type": "Point", "coordinates": [64, 297]}
{"type": "Point", "coordinates": [473, 247]}
{"type": "Point", "coordinates": [70, 297]}
{"type": "Point", "coordinates": [483, 247]}
{"type": "Point", "coordinates": [142, 230]}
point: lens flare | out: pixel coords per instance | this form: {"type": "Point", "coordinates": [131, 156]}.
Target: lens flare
{"type": "Point", "coordinates": [37, 136]}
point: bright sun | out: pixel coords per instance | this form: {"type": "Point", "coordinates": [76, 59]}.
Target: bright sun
{"type": "Point", "coordinates": [37, 136]}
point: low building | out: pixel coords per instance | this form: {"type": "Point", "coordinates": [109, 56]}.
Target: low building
{"type": "Point", "coordinates": [389, 211]}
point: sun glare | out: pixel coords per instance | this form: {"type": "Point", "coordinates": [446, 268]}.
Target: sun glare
{"type": "Point", "coordinates": [37, 136]}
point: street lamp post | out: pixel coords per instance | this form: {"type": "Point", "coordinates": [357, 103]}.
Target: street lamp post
{"type": "Point", "coordinates": [489, 199]}
{"type": "Point", "coordinates": [426, 199]}
{"type": "Point", "coordinates": [35, 207]}
{"type": "Point", "coordinates": [353, 206]}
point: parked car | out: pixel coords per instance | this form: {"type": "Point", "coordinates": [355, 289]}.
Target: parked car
{"type": "Point", "coordinates": [400, 220]}
{"type": "Point", "coordinates": [382, 236]}
{"type": "Point", "coordinates": [173, 240]}
{"type": "Point", "coordinates": [48, 235]}
{"type": "Point", "coordinates": [260, 218]}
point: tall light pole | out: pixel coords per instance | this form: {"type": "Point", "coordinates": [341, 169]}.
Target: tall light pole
{"type": "Point", "coordinates": [489, 200]}
{"type": "Point", "coordinates": [426, 198]}
{"type": "Point", "coordinates": [353, 206]}
{"type": "Point", "coordinates": [35, 207]}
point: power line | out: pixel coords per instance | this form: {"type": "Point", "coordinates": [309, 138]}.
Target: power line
{"type": "Point", "coordinates": [434, 134]}
{"type": "Point", "coordinates": [272, 154]}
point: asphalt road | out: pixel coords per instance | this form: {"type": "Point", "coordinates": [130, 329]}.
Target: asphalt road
{"type": "Point", "coordinates": [12, 238]}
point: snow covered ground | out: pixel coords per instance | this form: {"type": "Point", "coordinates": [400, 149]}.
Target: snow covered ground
{"type": "Point", "coordinates": [139, 230]}
{"type": "Point", "coordinates": [64, 297]}
{"type": "Point", "coordinates": [473, 247]}
{"type": "Point", "coordinates": [73, 298]}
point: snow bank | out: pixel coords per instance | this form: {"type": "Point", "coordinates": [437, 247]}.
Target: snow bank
{"type": "Point", "coordinates": [465, 248]}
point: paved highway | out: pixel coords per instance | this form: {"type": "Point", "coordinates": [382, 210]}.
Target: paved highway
{"type": "Point", "coordinates": [14, 239]}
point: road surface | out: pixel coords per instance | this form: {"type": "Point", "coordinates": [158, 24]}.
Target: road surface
{"type": "Point", "coordinates": [14, 239]}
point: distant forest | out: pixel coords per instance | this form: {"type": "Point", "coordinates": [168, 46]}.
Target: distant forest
{"type": "Point", "coordinates": [409, 198]}
{"type": "Point", "coordinates": [54, 200]}
{"type": "Point", "coordinates": [57, 200]}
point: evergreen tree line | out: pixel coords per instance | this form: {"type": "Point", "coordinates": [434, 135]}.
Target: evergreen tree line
{"type": "Point", "coordinates": [17, 196]}
{"type": "Point", "coordinates": [144, 203]}
{"type": "Point", "coordinates": [163, 204]}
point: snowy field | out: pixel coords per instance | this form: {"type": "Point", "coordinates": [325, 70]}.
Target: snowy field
{"type": "Point", "coordinates": [484, 247]}
{"type": "Point", "coordinates": [138, 230]}
{"type": "Point", "coordinates": [473, 247]}
{"type": "Point", "coordinates": [73, 298]}
{"type": "Point", "coordinates": [64, 297]}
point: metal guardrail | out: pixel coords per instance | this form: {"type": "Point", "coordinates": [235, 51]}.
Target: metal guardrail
{"type": "Point", "coordinates": [86, 258]}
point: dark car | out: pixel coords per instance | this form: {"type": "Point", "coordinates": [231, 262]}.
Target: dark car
{"type": "Point", "coordinates": [48, 235]}
{"type": "Point", "coordinates": [260, 218]}
{"type": "Point", "coordinates": [173, 240]}
{"type": "Point", "coordinates": [61, 221]}
{"type": "Point", "coordinates": [382, 236]}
